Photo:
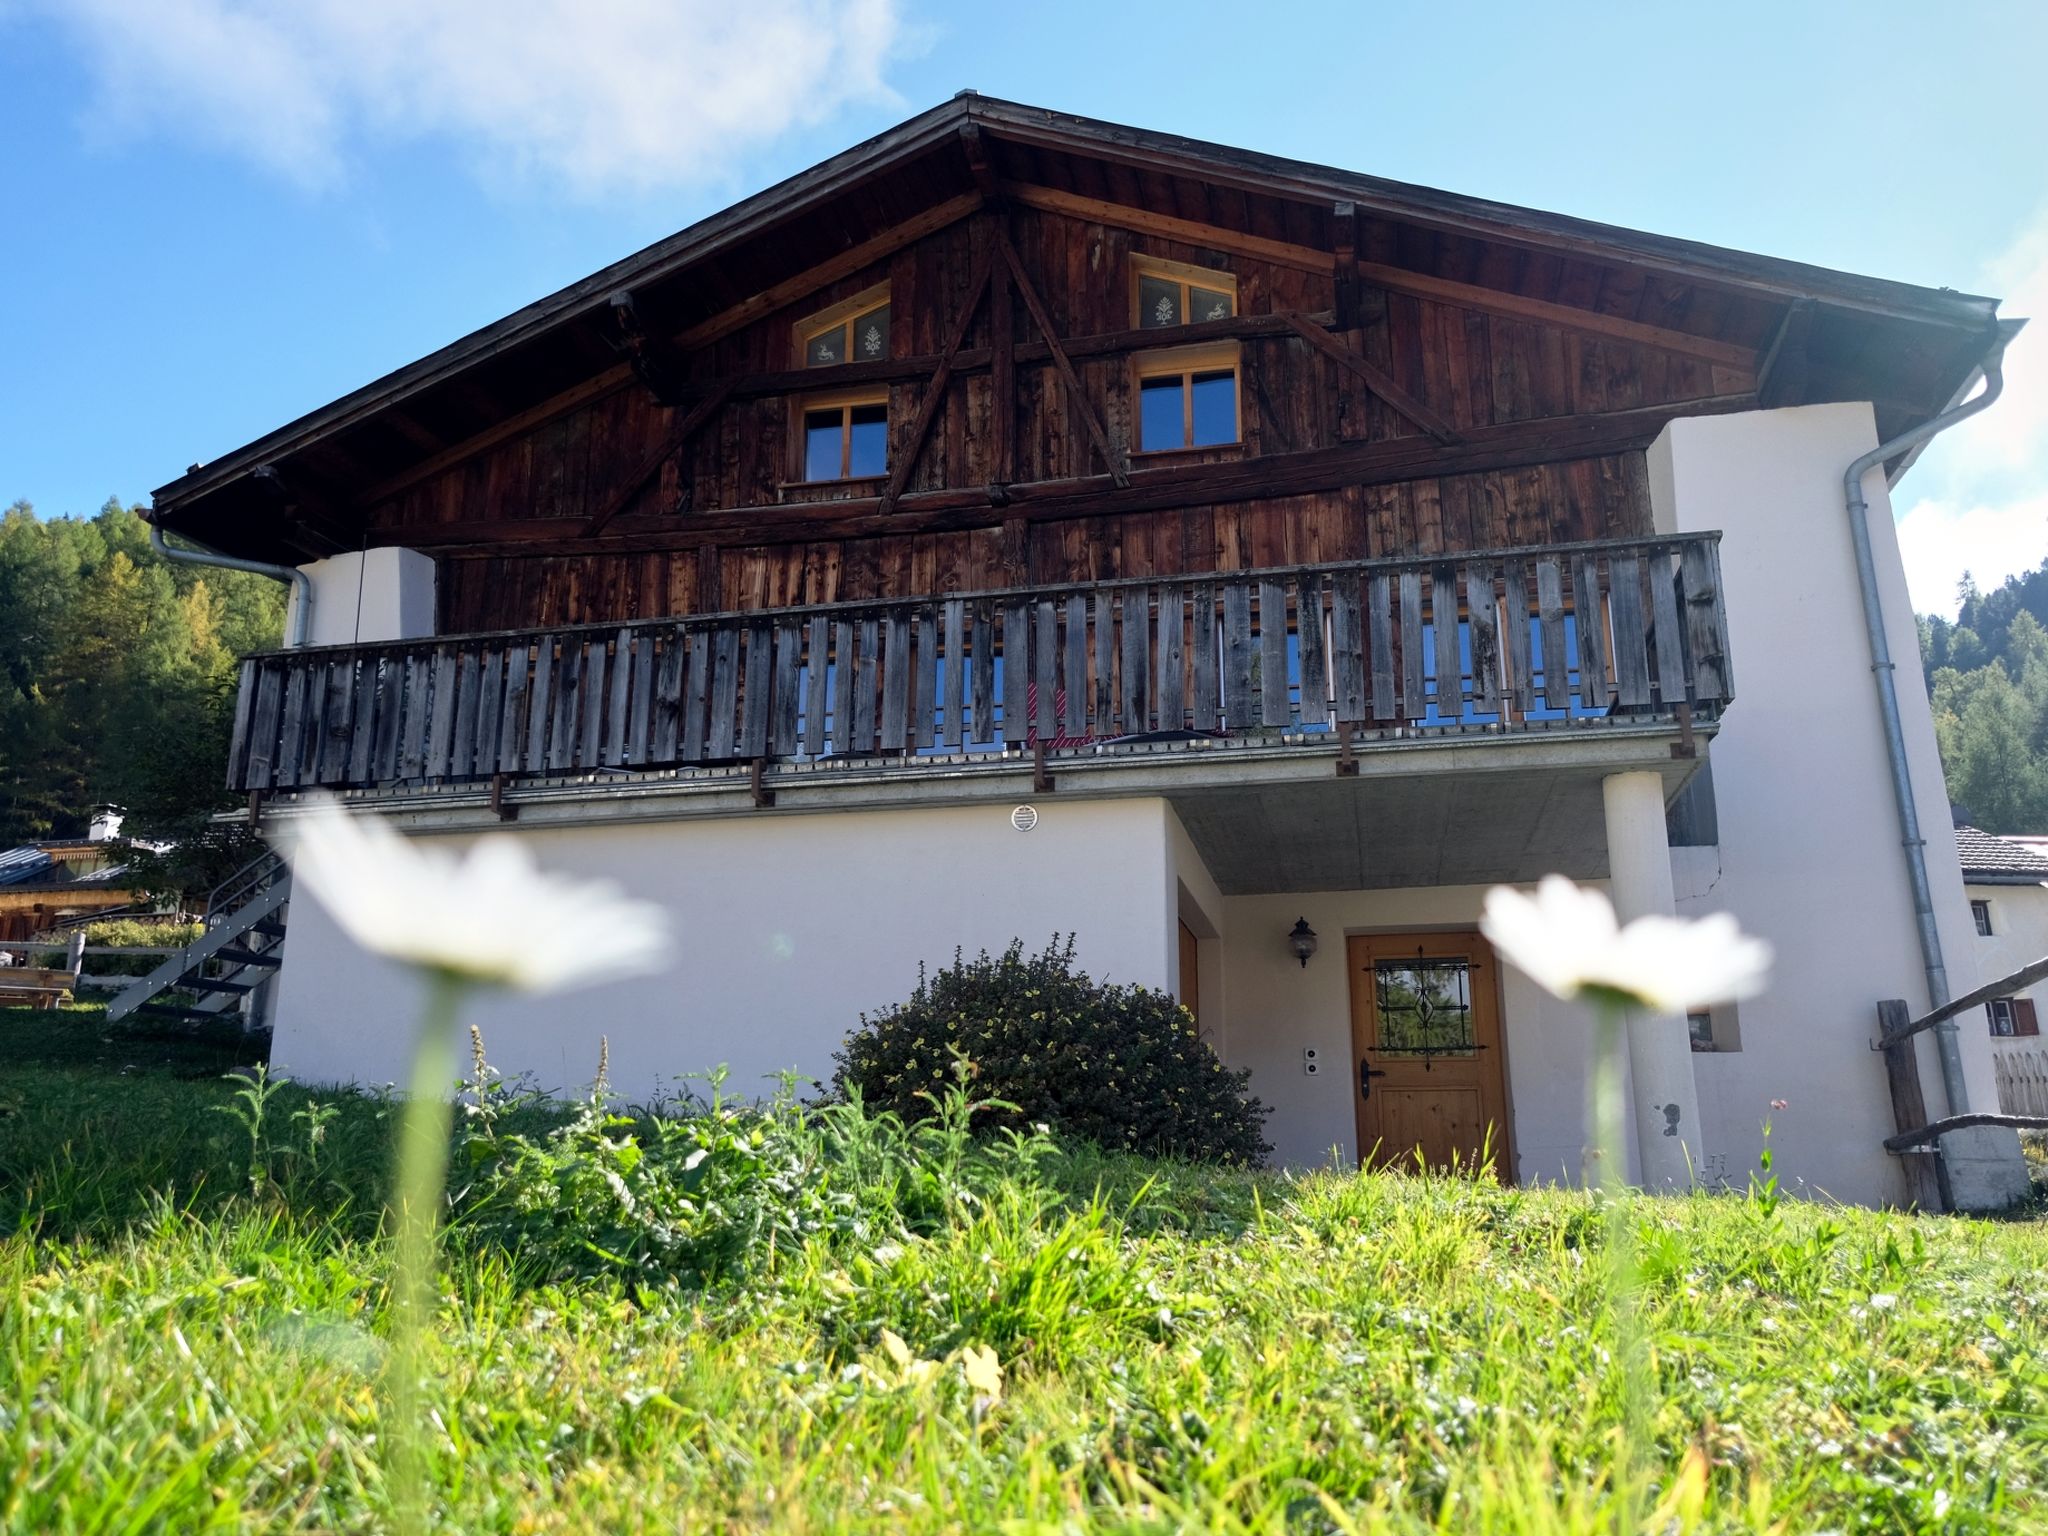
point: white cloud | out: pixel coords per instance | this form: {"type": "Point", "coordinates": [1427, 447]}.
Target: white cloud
{"type": "Point", "coordinates": [604, 95]}
{"type": "Point", "coordinates": [1977, 500]}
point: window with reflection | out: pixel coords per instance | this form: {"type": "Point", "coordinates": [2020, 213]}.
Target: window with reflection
{"type": "Point", "coordinates": [1424, 1006]}
{"type": "Point", "coordinates": [846, 439]}
{"type": "Point", "coordinates": [1187, 396]}
{"type": "Point", "coordinates": [856, 331]}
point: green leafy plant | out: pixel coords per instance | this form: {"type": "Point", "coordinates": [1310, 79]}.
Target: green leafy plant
{"type": "Point", "coordinates": [1122, 1066]}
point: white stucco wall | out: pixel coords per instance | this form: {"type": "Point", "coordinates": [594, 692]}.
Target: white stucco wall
{"type": "Point", "coordinates": [1809, 854]}
{"type": "Point", "coordinates": [787, 926]}
{"type": "Point", "coordinates": [378, 594]}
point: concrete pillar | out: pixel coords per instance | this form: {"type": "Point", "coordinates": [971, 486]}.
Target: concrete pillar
{"type": "Point", "coordinates": [1666, 1107]}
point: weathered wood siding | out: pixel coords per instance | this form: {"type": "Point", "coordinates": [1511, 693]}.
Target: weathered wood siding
{"type": "Point", "coordinates": [1473, 369]}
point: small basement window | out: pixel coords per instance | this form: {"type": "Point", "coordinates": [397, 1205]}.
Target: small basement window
{"type": "Point", "coordinates": [1980, 913]}
{"type": "Point", "coordinates": [855, 330]}
{"type": "Point", "coordinates": [846, 437]}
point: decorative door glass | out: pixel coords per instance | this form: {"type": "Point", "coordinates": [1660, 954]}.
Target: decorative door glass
{"type": "Point", "coordinates": [1424, 1007]}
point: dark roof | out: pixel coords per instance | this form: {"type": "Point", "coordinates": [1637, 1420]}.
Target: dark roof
{"type": "Point", "coordinates": [1997, 860]}
{"type": "Point", "coordinates": [1912, 346]}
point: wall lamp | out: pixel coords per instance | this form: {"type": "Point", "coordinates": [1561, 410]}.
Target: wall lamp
{"type": "Point", "coordinates": [1302, 940]}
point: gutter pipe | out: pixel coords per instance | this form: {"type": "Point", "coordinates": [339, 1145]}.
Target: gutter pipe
{"type": "Point", "coordinates": [199, 554]}
{"type": "Point", "coordinates": [1884, 672]}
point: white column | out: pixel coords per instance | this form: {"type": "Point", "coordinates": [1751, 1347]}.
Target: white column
{"type": "Point", "coordinates": [1666, 1107]}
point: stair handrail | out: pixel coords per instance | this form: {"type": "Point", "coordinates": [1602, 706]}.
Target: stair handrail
{"type": "Point", "coordinates": [244, 883]}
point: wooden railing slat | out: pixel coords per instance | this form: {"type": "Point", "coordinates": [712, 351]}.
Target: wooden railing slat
{"type": "Point", "coordinates": [667, 743]}
{"type": "Point", "coordinates": [1315, 664]}
{"type": "Point", "coordinates": [640, 716]}
{"type": "Point", "coordinates": [956, 673]}
{"type": "Point", "coordinates": [1380, 609]}
{"type": "Point", "coordinates": [1667, 641]}
{"type": "Point", "coordinates": [1239, 712]}
{"type": "Point", "coordinates": [238, 738]}
{"type": "Point", "coordinates": [1482, 623]}
{"type": "Point", "coordinates": [1347, 647]}
{"type": "Point", "coordinates": [697, 695]}
{"type": "Point", "coordinates": [512, 709]}
{"type": "Point", "coordinates": [789, 660]}
{"type": "Point", "coordinates": [984, 664]}
{"type": "Point", "coordinates": [462, 749]}
{"type": "Point", "coordinates": [1103, 602]}
{"type": "Point", "coordinates": [1134, 618]}
{"type": "Point", "coordinates": [265, 723]}
{"type": "Point", "coordinates": [1045, 670]}
{"type": "Point", "coordinates": [1274, 706]}
{"type": "Point", "coordinates": [568, 710]}
{"type": "Point", "coordinates": [1170, 658]}
{"type": "Point", "coordinates": [1521, 678]}
{"type": "Point", "coordinates": [924, 693]}
{"type": "Point", "coordinates": [723, 733]}
{"type": "Point", "coordinates": [1631, 630]}
{"type": "Point", "coordinates": [618, 706]}
{"type": "Point", "coordinates": [1450, 661]}
{"type": "Point", "coordinates": [1590, 607]}
{"type": "Point", "coordinates": [1207, 711]}
{"type": "Point", "coordinates": [284, 772]}
{"type": "Point", "coordinates": [1413, 703]}
{"type": "Point", "coordinates": [490, 689]}
{"type": "Point", "coordinates": [1550, 616]}
{"type": "Point", "coordinates": [896, 682]}
{"type": "Point", "coordinates": [1016, 671]}
{"type": "Point", "coordinates": [818, 659]}
{"type": "Point", "coordinates": [754, 701]}
{"type": "Point", "coordinates": [1074, 720]}
{"type": "Point", "coordinates": [1699, 573]}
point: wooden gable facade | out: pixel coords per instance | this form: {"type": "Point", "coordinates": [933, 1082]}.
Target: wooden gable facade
{"type": "Point", "coordinates": [1416, 375]}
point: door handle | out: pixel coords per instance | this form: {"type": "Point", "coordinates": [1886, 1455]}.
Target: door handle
{"type": "Point", "coordinates": [1366, 1073]}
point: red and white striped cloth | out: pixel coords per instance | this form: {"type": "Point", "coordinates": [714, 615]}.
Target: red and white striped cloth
{"type": "Point", "coordinates": [1056, 741]}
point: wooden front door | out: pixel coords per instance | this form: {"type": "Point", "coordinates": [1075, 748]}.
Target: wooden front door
{"type": "Point", "coordinates": [1426, 1075]}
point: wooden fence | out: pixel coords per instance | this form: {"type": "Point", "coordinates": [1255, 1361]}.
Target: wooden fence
{"type": "Point", "coordinates": [1600, 629]}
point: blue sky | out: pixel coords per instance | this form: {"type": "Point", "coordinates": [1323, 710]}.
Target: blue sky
{"type": "Point", "coordinates": [223, 213]}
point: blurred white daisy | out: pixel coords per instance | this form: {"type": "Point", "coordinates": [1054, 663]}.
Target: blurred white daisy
{"type": "Point", "coordinates": [488, 916]}
{"type": "Point", "coordinates": [1565, 939]}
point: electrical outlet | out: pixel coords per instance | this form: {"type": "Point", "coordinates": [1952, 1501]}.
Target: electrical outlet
{"type": "Point", "coordinates": [1311, 1061]}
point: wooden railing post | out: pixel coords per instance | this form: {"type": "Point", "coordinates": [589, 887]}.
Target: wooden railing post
{"type": "Point", "coordinates": [1909, 1107]}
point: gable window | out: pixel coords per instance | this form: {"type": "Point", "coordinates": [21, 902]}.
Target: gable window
{"type": "Point", "coordinates": [1980, 913]}
{"type": "Point", "coordinates": [1187, 396]}
{"type": "Point", "coordinates": [846, 437]}
{"type": "Point", "coordinates": [853, 331]}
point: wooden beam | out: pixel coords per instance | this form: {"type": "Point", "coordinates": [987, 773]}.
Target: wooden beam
{"type": "Point", "coordinates": [1344, 248]}
{"type": "Point", "coordinates": [935, 391]}
{"type": "Point", "coordinates": [845, 264]}
{"type": "Point", "coordinates": [974, 144]}
{"type": "Point", "coordinates": [1111, 458]}
{"type": "Point", "coordinates": [1787, 364]}
{"type": "Point", "coordinates": [613, 379]}
{"type": "Point", "coordinates": [655, 362]}
{"type": "Point", "coordinates": [1002, 368]}
{"type": "Point", "coordinates": [1376, 380]}
{"type": "Point", "coordinates": [673, 443]}
{"type": "Point", "coordinates": [1510, 445]}
{"type": "Point", "coordinates": [1188, 231]}
{"type": "Point", "coordinates": [1515, 306]}
{"type": "Point", "coordinates": [1399, 279]}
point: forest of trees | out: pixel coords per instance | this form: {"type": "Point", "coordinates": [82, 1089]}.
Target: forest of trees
{"type": "Point", "coordinates": [1988, 674]}
{"type": "Point", "coordinates": [117, 678]}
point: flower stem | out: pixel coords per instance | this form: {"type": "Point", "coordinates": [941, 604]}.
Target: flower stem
{"type": "Point", "coordinates": [422, 1177]}
{"type": "Point", "coordinates": [1624, 1326]}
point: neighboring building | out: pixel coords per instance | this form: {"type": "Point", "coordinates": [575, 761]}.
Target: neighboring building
{"type": "Point", "coordinates": [51, 885]}
{"type": "Point", "coordinates": [2006, 882]}
{"type": "Point", "coordinates": [1021, 524]}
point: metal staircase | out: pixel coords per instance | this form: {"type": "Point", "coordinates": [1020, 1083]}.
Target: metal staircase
{"type": "Point", "coordinates": [220, 972]}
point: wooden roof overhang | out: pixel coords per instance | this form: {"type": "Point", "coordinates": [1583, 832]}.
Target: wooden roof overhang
{"type": "Point", "coordinates": [1806, 333]}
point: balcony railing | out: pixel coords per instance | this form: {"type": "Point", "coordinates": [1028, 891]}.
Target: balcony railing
{"type": "Point", "coordinates": [1488, 640]}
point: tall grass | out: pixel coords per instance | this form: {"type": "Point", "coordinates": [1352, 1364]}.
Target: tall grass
{"type": "Point", "coordinates": [796, 1320]}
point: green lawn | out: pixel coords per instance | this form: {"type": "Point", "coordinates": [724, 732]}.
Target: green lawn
{"type": "Point", "coordinates": [1181, 1349]}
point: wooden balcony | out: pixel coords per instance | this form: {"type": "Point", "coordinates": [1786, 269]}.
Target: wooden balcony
{"type": "Point", "coordinates": [1499, 643]}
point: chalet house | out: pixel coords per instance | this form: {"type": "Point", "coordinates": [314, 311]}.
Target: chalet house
{"type": "Point", "coordinates": [1022, 524]}
{"type": "Point", "coordinates": [2005, 880]}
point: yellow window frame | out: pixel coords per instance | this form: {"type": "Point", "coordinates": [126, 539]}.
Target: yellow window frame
{"type": "Point", "coordinates": [1185, 363]}
{"type": "Point", "coordinates": [845, 402]}
{"type": "Point", "coordinates": [843, 317]}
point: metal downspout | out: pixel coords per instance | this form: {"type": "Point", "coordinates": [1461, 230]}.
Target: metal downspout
{"type": "Point", "coordinates": [1884, 672]}
{"type": "Point", "coordinates": [201, 555]}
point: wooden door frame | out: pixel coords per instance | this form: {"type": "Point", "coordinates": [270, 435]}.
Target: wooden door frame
{"type": "Point", "coordinates": [1359, 947]}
